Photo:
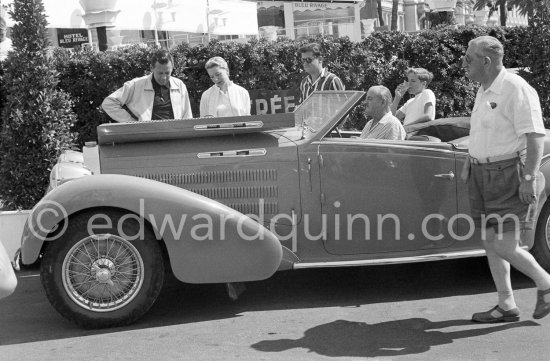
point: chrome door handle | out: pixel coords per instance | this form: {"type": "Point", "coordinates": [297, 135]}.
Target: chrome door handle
{"type": "Point", "coordinates": [449, 176]}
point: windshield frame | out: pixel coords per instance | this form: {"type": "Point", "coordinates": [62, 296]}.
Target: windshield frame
{"type": "Point", "coordinates": [328, 124]}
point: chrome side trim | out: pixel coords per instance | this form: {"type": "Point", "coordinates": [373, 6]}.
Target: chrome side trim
{"type": "Point", "coordinates": [386, 261]}
{"type": "Point", "coordinates": [217, 126]}
{"type": "Point", "coordinates": [386, 144]}
{"type": "Point", "coordinates": [234, 153]}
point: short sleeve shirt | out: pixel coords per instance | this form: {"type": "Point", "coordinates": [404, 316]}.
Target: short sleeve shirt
{"type": "Point", "coordinates": [502, 116]}
{"type": "Point", "coordinates": [414, 107]}
{"type": "Point", "coordinates": [325, 81]}
{"type": "Point", "coordinates": [389, 127]}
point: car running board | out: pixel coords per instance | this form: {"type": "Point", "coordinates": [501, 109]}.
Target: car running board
{"type": "Point", "coordinates": [387, 261]}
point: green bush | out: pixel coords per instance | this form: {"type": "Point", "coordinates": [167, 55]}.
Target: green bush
{"type": "Point", "coordinates": [37, 115]}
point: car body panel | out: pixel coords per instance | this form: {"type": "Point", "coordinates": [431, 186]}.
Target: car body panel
{"type": "Point", "coordinates": [237, 248]}
{"type": "Point", "coordinates": [389, 191]}
{"type": "Point", "coordinates": [286, 179]}
{"type": "Point", "coordinates": [213, 168]}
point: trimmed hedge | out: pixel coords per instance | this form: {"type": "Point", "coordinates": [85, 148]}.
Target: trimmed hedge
{"type": "Point", "coordinates": [380, 59]}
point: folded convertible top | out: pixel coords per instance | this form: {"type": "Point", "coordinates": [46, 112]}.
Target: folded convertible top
{"type": "Point", "coordinates": [190, 128]}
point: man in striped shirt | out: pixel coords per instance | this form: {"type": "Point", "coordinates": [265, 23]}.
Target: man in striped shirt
{"type": "Point", "coordinates": [318, 78]}
{"type": "Point", "coordinates": [383, 124]}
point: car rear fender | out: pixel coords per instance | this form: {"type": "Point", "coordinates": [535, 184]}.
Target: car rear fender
{"type": "Point", "coordinates": [207, 242]}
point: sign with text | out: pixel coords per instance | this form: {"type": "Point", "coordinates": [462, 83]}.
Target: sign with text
{"type": "Point", "coordinates": [274, 101]}
{"type": "Point", "coordinates": [69, 38]}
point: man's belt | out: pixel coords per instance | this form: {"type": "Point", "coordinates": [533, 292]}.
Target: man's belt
{"type": "Point", "coordinates": [496, 158]}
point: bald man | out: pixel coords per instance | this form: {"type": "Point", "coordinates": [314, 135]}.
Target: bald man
{"type": "Point", "coordinates": [383, 124]}
{"type": "Point", "coordinates": [506, 145]}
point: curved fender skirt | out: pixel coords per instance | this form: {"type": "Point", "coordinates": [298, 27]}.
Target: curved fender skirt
{"type": "Point", "coordinates": [246, 252]}
{"type": "Point", "coordinates": [212, 243]}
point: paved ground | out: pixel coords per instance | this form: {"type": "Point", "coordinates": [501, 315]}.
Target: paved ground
{"type": "Point", "coordinates": [405, 312]}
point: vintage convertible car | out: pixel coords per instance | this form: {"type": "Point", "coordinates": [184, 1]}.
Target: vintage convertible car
{"type": "Point", "coordinates": [220, 200]}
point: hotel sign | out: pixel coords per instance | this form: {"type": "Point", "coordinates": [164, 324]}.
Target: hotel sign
{"type": "Point", "coordinates": [307, 5]}
{"type": "Point", "coordinates": [69, 38]}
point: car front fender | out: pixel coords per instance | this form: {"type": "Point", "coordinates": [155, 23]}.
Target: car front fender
{"type": "Point", "coordinates": [207, 242]}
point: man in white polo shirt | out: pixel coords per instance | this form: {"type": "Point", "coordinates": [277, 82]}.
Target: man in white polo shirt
{"type": "Point", "coordinates": [504, 182]}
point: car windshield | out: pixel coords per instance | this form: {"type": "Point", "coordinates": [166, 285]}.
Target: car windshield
{"type": "Point", "coordinates": [319, 109]}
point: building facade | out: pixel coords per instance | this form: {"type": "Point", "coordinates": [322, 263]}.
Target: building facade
{"type": "Point", "coordinates": [171, 22]}
{"type": "Point", "coordinates": [357, 19]}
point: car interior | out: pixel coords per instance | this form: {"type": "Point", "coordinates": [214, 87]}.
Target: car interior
{"type": "Point", "coordinates": [455, 130]}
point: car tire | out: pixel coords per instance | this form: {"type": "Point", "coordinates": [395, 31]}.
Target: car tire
{"type": "Point", "coordinates": [541, 246]}
{"type": "Point", "coordinates": [105, 279]}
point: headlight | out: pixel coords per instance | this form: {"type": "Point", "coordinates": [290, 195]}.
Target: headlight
{"type": "Point", "coordinates": [71, 156]}
{"type": "Point", "coordinates": [64, 172]}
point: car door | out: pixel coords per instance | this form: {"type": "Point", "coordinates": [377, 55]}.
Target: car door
{"type": "Point", "coordinates": [386, 196]}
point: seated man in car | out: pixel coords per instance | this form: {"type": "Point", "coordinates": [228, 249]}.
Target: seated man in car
{"type": "Point", "coordinates": [383, 124]}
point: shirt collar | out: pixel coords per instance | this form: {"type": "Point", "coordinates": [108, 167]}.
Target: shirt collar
{"type": "Point", "coordinates": [323, 74]}
{"type": "Point", "coordinates": [228, 86]}
{"type": "Point", "coordinates": [156, 84]}
{"type": "Point", "coordinates": [386, 118]}
{"type": "Point", "coordinates": [496, 86]}
{"type": "Point", "coordinates": [152, 83]}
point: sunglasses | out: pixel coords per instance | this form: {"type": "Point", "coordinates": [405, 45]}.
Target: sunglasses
{"type": "Point", "coordinates": [308, 60]}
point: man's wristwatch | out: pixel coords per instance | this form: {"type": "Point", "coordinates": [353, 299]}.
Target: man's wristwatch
{"type": "Point", "coordinates": [528, 177]}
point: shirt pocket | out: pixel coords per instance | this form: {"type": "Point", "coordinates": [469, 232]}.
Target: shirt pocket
{"type": "Point", "coordinates": [489, 116]}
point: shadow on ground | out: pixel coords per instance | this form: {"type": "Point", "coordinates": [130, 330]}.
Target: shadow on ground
{"type": "Point", "coordinates": [27, 316]}
{"type": "Point", "coordinates": [394, 338]}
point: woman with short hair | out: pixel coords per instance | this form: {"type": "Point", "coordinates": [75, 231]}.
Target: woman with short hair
{"type": "Point", "coordinates": [224, 98]}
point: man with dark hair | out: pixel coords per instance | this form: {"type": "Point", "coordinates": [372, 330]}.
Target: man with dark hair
{"type": "Point", "coordinates": [318, 78]}
{"type": "Point", "coordinates": [151, 97]}
{"type": "Point", "coordinates": [506, 146]}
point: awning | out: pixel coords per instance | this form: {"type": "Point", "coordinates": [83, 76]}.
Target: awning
{"type": "Point", "coordinates": [309, 5]}
{"type": "Point", "coordinates": [226, 17]}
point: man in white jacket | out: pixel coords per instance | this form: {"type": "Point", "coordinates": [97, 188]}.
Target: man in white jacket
{"type": "Point", "coordinates": [151, 97]}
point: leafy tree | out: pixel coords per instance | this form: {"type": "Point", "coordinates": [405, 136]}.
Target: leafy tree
{"type": "Point", "coordinates": [37, 116]}
{"type": "Point", "coordinates": [493, 5]}
{"type": "Point", "coordinates": [525, 7]}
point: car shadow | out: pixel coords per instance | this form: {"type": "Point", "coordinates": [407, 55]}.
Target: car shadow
{"type": "Point", "coordinates": [342, 338]}
{"type": "Point", "coordinates": [27, 316]}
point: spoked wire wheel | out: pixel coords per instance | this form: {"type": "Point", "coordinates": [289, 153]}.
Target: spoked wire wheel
{"type": "Point", "coordinates": [103, 272]}
{"type": "Point", "coordinates": [104, 280]}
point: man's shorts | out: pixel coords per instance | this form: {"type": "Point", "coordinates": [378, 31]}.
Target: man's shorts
{"type": "Point", "coordinates": [494, 196]}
